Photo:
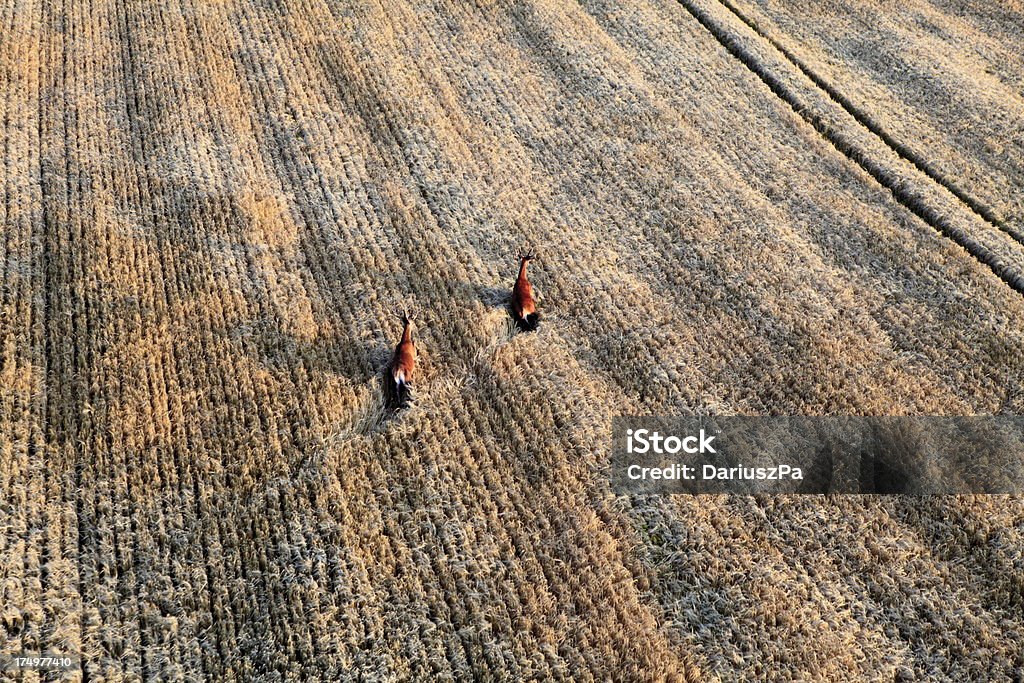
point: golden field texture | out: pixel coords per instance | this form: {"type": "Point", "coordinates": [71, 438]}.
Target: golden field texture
{"type": "Point", "coordinates": [211, 212]}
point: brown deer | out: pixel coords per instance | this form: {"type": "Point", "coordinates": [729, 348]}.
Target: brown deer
{"type": "Point", "coordinates": [524, 306]}
{"type": "Point", "coordinates": [403, 364]}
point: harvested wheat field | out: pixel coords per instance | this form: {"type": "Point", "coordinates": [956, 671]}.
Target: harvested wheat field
{"type": "Point", "coordinates": [213, 212]}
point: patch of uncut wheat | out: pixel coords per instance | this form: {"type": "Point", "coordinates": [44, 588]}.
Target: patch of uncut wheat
{"type": "Point", "coordinates": [127, 529]}
{"type": "Point", "coordinates": [25, 542]}
{"type": "Point", "coordinates": [87, 334]}
{"type": "Point", "coordinates": [543, 474]}
{"type": "Point", "coordinates": [209, 215]}
{"type": "Point", "coordinates": [979, 534]}
{"type": "Point", "coordinates": [125, 438]}
{"type": "Point", "coordinates": [206, 514]}
{"type": "Point", "coordinates": [151, 443]}
{"type": "Point", "coordinates": [723, 574]}
{"type": "Point", "coordinates": [991, 21]}
{"type": "Point", "coordinates": [853, 553]}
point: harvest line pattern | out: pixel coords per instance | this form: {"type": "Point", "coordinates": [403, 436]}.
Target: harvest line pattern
{"type": "Point", "coordinates": [210, 213]}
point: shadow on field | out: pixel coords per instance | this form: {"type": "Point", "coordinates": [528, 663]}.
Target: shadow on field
{"type": "Point", "coordinates": [497, 298]}
{"type": "Point", "coordinates": [357, 359]}
{"type": "Point", "coordinates": [954, 533]}
{"type": "Point", "coordinates": [492, 297]}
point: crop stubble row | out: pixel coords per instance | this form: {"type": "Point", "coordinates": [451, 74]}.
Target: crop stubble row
{"type": "Point", "coordinates": [231, 201]}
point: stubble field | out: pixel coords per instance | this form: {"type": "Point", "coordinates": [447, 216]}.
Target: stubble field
{"type": "Point", "coordinates": [211, 212]}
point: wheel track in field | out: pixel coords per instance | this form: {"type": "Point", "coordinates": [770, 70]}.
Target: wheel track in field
{"type": "Point", "coordinates": [863, 118]}
{"type": "Point", "coordinates": [911, 179]}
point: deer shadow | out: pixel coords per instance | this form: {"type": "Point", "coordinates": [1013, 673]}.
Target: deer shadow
{"type": "Point", "coordinates": [497, 298]}
{"type": "Point", "coordinates": [491, 297]}
{"type": "Point", "coordinates": [357, 359]}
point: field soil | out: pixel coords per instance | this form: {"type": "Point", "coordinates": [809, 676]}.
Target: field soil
{"type": "Point", "coordinates": [213, 213]}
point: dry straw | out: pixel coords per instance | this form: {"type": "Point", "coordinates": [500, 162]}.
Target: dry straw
{"type": "Point", "coordinates": [208, 210]}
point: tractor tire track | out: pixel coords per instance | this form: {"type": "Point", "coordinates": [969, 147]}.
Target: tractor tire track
{"type": "Point", "coordinates": [863, 118]}
{"type": "Point", "coordinates": [965, 222]}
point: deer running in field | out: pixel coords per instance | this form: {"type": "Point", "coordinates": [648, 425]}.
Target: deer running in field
{"type": "Point", "coordinates": [524, 306]}
{"type": "Point", "coordinates": [403, 364]}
